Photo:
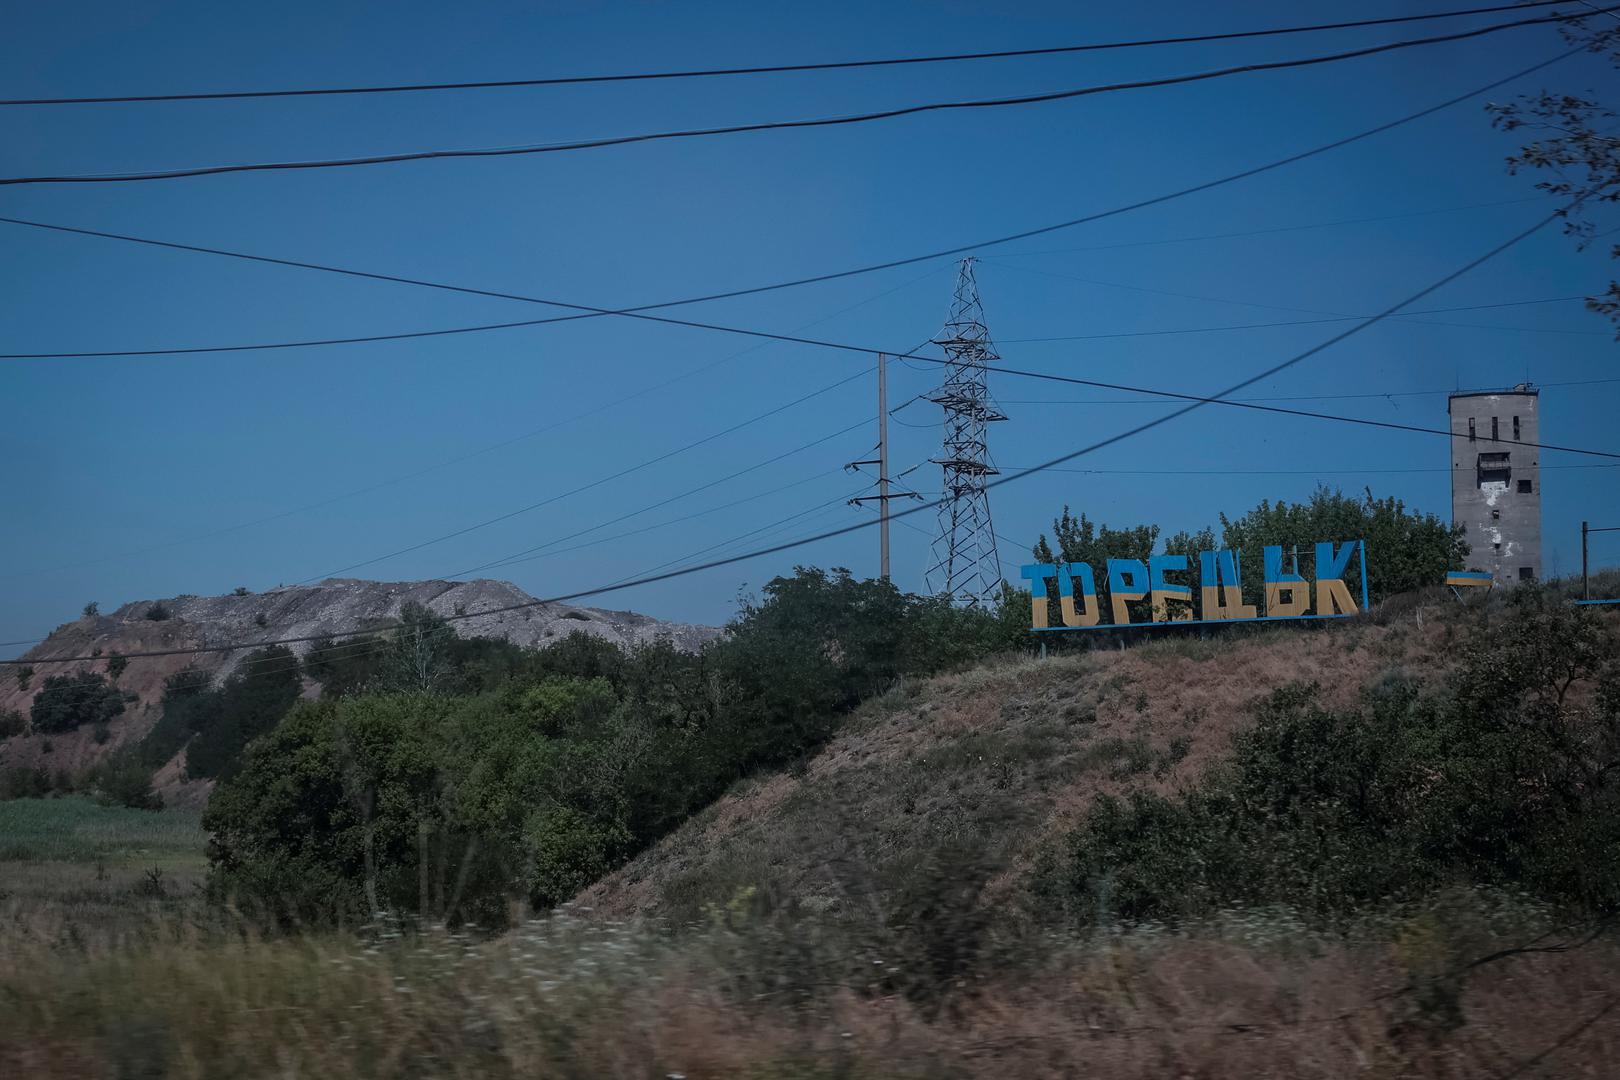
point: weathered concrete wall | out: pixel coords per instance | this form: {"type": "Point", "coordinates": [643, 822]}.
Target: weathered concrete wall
{"type": "Point", "coordinates": [1496, 481]}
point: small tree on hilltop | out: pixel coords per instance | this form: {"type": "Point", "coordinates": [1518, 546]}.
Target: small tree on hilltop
{"type": "Point", "coordinates": [92, 609]}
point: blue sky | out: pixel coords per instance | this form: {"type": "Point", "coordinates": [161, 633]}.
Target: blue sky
{"type": "Point", "coordinates": [112, 457]}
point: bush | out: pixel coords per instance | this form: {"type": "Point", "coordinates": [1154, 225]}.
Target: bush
{"type": "Point", "coordinates": [249, 703]}
{"type": "Point", "coordinates": [158, 611]}
{"type": "Point", "coordinates": [67, 701]}
{"type": "Point", "coordinates": [116, 665]}
{"type": "Point", "coordinates": [1506, 781]}
{"type": "Point", "coordinates": [18, 782]}
{"type": "Point", "coordinates": [561, 762]}
{"type": "Point", "coordinates": [12, 723]}
{"type": "Point", "coordinates": [91, 610]}
{"type": "Point", "coordinates": [125, 782]}
{"type": "Point", "coordinates": [25, 675]}
{"type": "Point", "coordinates": [241, 590]}
{"type": "Point", "coordinates": [187, 700]}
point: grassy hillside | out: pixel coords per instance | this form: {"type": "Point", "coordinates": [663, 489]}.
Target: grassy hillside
{"type": "Point", "coordinates": [70, 867]}
{"type": "Point", "coordinates": [854, 916]}
{"type": "Point", "coordinates": [990, 764]}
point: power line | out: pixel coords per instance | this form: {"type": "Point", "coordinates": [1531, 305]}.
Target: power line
{"type": "Point", "coordinates": [1292, 397]}
{"type": "Point", "coordinates": [527, 554]}
{"type": "Point", "coordinates": [554, 550]}
{"type": "Point", "coordinates": [1282, 472]}
{"type": "Point", "coordinates": [1330, 316]}
{"type": "Point", "coordinates": [611, 403]}
{"type": "Point", "coordinates": [1272, 229]}
{"type": "Point", "coordinates": [782, 125]}
{"type": "Point", "coordinates": [480, 328]}
{"type": "Point", "coordinates": [772, 69]}
{"type": "Point", "coordinates": [1240, 403]}
{"type": "Point", "coordinates": [1062, 459]}
{"type": "Point", "coordinates": [639, 312]}
{"type": "Point", "coordinates": [1314, 322]}
{"type": "Point", "coordinates": [647, 463]}
{"type": "Point", "coordinates": [1028, 374]}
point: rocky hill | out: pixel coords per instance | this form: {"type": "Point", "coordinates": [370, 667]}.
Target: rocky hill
{"type": "Point", "coordinates": [335, 607]}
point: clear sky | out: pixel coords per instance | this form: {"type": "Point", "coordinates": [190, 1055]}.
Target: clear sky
{"type": "Point", "coordinates": [121, 466]}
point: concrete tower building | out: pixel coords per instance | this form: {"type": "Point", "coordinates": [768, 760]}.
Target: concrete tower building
{"type": "Point", "coordinates": [1496, 480]}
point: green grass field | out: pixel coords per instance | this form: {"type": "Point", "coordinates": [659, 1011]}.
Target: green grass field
{"type": "Point", "coordinates": [96, 860]}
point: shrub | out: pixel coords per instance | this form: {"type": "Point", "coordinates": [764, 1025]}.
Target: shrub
{"type": "Point", "coordinates": [1506, 781]}
{"type": "Point", "coordinates": [125, 782]}
{"type": "Point", "coordinates": [116, 665]}
{"type": "Point", "coordinates": [248, 704]}
{"type": "Point", "coordinates": [25, 675]}
{"type": "Point", "coordinates": [19, 782]}
{"type": "Point", "coordinates": [577, 756]}
{"type": "Point", "coordinates": [187, 699]}
{"type": "Point", "coordinates": [241, 590]}
{"type": "Point", "coordinates": [91, 610]}
{"type": "Point", "coordinates": [12, 723]}
{"type": "Point", "coordinates": [67, 701]}
{"type": "Point", "coordinates": [158, 611]}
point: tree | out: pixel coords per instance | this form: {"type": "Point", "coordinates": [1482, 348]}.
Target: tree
{"type": "Point", "coordinates": [116, 664]}
{"type": "Point", "coordinates": [123, 781]}
{"type": "Point", "coordinates": [12, 723]}
{"type": "Point", "coordinates": [188, 705]}
{"type": "Point", "coordinates": [92, 609]}
{"type": "Point", "coordinates": [241, 590]}
{"type": "Point", "coordinates": [1080, 540]}
{"type": "Point", "coordinates": [67, 701]}
{"type": "Point", "coordinates": [1406, 550]}
{"type": "Point", "coordinates": [1577, 149]}
{"type": "Point", "coordinates": [158, 612]}
{"type": "Point", "coordinates": [25, 675]}
{"type": "Point", "coordinates": [351, 666]}
{"type": "Point", "coordinates": [418, 658]}
{"type": "Point", "coordinates": [249, 703]}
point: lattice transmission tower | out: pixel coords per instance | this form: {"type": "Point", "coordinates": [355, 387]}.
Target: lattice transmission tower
{"type": "Point", "coordinates": [965, 567]}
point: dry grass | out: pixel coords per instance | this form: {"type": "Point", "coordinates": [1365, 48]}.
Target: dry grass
{"type": "Point", "coordinates": [1004, 757]}
{"type": "Point", "coordinates": [568, 998]}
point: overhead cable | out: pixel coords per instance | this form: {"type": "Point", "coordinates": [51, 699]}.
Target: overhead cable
{"type": "Point", "coordinates": [1192, 405]}
{"type": "Point", "coordinates": [640, 311]}
{"type": "Point", "coordinates": [770, 69]}
{"type": "Point", "coordinates": [781, 125]}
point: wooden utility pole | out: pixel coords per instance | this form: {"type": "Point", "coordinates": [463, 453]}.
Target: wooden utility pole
{"type": "Point", "coordinates": [1586, 585]}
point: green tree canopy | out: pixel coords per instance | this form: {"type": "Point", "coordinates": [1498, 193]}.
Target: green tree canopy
{"type": "Point", "coordinates": [65, 702]}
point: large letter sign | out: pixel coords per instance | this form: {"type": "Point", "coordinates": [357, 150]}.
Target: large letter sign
{"type": "Point", "coordinates": [1165, 582]}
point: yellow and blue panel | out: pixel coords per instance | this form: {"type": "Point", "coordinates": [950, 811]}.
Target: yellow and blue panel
{"type": "Point", "coordinates": [1217, 595]}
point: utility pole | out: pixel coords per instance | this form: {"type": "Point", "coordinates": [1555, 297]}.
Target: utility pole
{"type": "Point", "coordinates": [1586, 531]}
{"type": "Point", "coordinates": [882, 462]}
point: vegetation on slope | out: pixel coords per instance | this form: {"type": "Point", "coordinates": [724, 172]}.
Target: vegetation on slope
{"type": "Point", "coordinates": [456, 806]}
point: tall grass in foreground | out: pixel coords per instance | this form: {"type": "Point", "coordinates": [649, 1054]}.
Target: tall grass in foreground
{"type": "Point", "coordinates": [1244, 996]}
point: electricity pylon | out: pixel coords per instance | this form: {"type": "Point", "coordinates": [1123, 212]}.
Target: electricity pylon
{"type": "Point", "coordinates": [965, 566]}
